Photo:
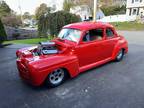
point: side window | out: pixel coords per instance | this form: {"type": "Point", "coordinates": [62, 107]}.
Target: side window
{"type": "Point", "coordinates": [109, 32]}
{"type": "Point", "coordinates": [91, 35]}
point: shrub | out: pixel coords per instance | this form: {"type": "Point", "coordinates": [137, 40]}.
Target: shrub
{"type": "Point", "coordinates": [113, 10]}
{"type": "Point", "coordinates": [2, 33]}
{"type": "Point", "coordinates": [53, 22]}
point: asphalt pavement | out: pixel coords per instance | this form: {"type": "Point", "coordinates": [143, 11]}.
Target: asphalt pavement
{"type": "Point", "coordinates": [113, 85]}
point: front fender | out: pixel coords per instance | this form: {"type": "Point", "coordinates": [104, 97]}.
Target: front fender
{"type": "Point", "coordinates": [41, 69]}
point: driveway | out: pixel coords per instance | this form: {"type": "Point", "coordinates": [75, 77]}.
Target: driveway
{"type": "Point", "coordinates": [113, 85]}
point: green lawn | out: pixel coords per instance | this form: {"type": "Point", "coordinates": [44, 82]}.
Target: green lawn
{"type": "Point", "coordinates": [128, 26]}
{"type": "Point", "coordinates": [26, 41]}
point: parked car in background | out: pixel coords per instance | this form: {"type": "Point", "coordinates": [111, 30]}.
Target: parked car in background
{"type": "Point", "coordinates": [79, 47]}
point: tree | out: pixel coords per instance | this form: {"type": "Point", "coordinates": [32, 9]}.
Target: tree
{"type": "Point", "coordinates": [106, 2]}
{"type": "Point", "coordinates": [67, 4]}
{"type": "Point", "coordinates": [2, 33]}
{"type": "Point", "coordinates": [26, 15]}
{"type": "Point", "coordinates": [12, 21]}
{"type": "Point", "coordinates": [4, 9]}
{"type": "Point", "coordinates": [8, 16]}
{"type": "Point", "coordinates": [43, 9]}
{"type": "Point", "coordinates": [43, 26]}
{"type": "Point", "coordinates": [53, 22]}
{"type": "Point", "coordinates": [113, 10]}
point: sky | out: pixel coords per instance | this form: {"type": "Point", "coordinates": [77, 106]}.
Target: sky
{"type": "Point", "coordinates": [30, 5]}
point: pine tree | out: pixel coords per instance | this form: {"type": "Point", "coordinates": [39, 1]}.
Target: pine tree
{"type": "Point", "coordinates": [4, 9]}
{"type": "Point", "coordinates": [2, 33]}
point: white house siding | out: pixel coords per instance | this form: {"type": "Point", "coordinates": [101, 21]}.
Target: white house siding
{"type": "Point", "coordinates": [135, 8]}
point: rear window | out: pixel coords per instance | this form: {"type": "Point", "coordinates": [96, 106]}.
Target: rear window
{"type": "Point", "coordinates": [109, 32]}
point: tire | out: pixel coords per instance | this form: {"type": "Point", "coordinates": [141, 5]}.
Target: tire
{"type": "Point", "coordinates": [56, 78]}
{"type": "Point", "coordinates": [120, 55]}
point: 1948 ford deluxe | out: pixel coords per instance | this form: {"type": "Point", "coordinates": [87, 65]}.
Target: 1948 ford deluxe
{"type": "Point", "coordinates": [79, 47]}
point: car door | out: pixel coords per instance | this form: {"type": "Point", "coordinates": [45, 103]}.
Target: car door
{"type": "Point", "coordinates": [109, 42]}
{"type": "Point", "coordinates": [89, 49]}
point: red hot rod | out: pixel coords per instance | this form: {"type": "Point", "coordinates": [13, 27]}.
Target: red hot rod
{"type": "Point", "coordinates": [79, 47]}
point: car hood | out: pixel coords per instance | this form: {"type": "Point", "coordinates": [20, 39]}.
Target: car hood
{"type": "Point", "coordinates": [61, 44]}
{"type": "Point", "coordinates": [64, 48]}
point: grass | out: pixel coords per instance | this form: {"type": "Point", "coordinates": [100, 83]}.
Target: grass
{"type": "Point", "coordinates": [26, 41]}
{"type": "Point", "coordinates": [128, 26]}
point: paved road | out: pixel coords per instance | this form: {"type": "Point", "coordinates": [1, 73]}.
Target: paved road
{"type": "Point", "coordinates": [113, 85]}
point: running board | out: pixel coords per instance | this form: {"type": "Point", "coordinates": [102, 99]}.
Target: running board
{"type": "Point", "coordinates": [87, 67]}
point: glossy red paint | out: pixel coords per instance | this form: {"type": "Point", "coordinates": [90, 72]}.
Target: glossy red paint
{"type": "Point", "coordinates": [73, 57]}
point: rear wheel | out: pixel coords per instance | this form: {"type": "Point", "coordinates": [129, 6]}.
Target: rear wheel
{"type": "Point", "coordinates": [120, 55]}
{"type": "Point", "coordinates": [56, 78]}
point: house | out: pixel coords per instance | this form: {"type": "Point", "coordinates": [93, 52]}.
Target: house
{"type": "Point", "coordinates": [29, 22]}
{"type": "Point", "coordinates": [57, 4]}
{"type": "Point", "coordinates": [84, 12]}
{"type": "Point", "coordinates": [134, 9]}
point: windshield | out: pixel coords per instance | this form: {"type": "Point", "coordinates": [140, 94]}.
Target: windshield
{"type": "Point", "coordinates": [70, 34]}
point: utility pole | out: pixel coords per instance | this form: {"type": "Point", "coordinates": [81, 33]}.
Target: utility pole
{"type": "Point", "coordinates": [20, 12]}
{"type": "Point", "coordinates": [95, 10]}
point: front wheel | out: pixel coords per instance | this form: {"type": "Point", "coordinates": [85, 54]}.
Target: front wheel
{"type": "Point", "coordinates": [120, 55]}
{"type": "Point", "coordinates": [56, 78]}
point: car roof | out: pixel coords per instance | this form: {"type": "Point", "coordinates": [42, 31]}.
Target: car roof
{"type": "Point", "coordinates": [87, 25]}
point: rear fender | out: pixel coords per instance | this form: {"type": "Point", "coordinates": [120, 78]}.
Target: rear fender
{"type": "Point", "coordinates": [121, 44]}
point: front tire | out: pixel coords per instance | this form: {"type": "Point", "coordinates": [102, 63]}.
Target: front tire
{"type": "Point", "coordinates": [56, 78]}
{"type": "Point", "coordinates": [120, 55]}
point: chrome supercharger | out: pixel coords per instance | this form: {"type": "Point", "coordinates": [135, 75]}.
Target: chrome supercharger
{"type": "Point", "coordinates": [45, 48]}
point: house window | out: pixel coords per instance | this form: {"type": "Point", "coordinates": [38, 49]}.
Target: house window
{"type": "Point", "coordinates": [136, 1]}
{"type": "Point", "coordinates": [130, 12]}
{"type": "Point", "coordinates": [141, 14]}
{"type": "Point", "coordinates": [138, 11]}
{"type": "Point", "coordinates": [134, 11]}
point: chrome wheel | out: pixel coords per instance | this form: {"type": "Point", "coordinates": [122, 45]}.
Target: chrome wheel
{"type": "Point", "coordinates": [57, 76]}
{"type": "Point", "coordinates": [120, 55]}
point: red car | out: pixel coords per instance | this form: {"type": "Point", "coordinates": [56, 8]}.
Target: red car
{"type": "Point", "coordinates": [79, 47]}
